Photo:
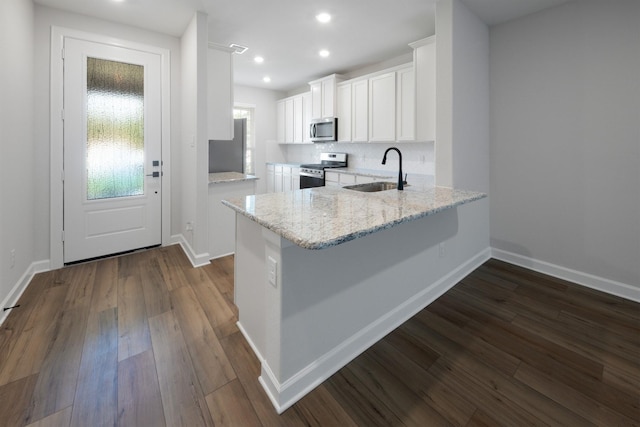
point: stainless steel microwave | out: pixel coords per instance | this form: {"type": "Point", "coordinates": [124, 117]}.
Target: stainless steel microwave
{"type": "Point", "coordinates": [324, 130]}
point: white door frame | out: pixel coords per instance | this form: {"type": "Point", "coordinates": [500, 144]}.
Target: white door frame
{"type": "Point", "coordinates": [56, 130]}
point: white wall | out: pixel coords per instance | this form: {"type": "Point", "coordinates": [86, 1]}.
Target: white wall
{"type": "Point", "coordinates": [565, 150]}
{"type": "Point", "coordinates": [195, 146]}
{"type": "Point", "coordinates": [17, 181]}
{"type": "Point", "coordinates": [462, 97]}
{"type": "Point", "coordinates": [46, 17]}
{"type": "Point", "coordinates": [266, 149]}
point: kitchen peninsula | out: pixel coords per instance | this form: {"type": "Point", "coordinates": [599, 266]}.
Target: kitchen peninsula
{"type": "Point", "coordinates": [323, 273]}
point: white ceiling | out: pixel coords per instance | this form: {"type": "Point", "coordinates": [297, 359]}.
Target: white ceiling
{"type": "Point", "coordinates": [286, 34]}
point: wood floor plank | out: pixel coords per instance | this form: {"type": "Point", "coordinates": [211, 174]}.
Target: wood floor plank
{"type": "Point", "coordinates": [156, 294]}
{"type": "Point", "coordinates": [105, 288]}
{"type": "Point", "coordinates": [230, 407]}
{"type": "Point", "coordinates": [454, 408]}
{"type": "Point", "coordinates": [14, 401]}
{"type": "Point", "coordinates": [408, 405]}
{"type": "Point", "coordinates": [247, 368]}
{"type": "Point", "coordinates": [56, 386]}
{"type": "Point", "coordinates": [182, 399]}
{"type": "Point", "coordinates": [575, 400]}
{"type": "Point", "coordinates": [61, 418]}
{"type": "Point", "coordinates": [502, 387]}
{"type": "Point", "coordinates": [133, 328]}
{"type": "Point", "coordinates": [212, 368]}
{"type": "Point", "coordinates": [98, 373]}
{"type": "Point", "coordinates": [212, 301]}
{"type": "Point", "coordinates": [26, 353]}
{"type": "Point", "coordinates": [170, 261]}
{"type": "Point", "coordinates": [362, 406]}
{"type": "Point", "coordinates": [139, 400]}
{"type": "Point", "coordinates": [320, 408]}
{"type": "Point", "coordinates": [80, 288]}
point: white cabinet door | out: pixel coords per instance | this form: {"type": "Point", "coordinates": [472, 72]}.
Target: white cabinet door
{"type": "Point", "coordinates": [316, 100]}
{"type": "Point", "coordinates": [289, 120]}
{"type": "Point", "coordinates": [382, 107]}
{"type": "Point", "coordinates": [219, 94]}
{"type": "Point", "coordinates": [281, 119]}
{"type": "Point", "coordinates": [297, 119]}
{"type": "Point", "coordinates": [271, 178]}
{"type": "Point", "coordinates": [295, 178]}
{"type": "Point", "coordinates": [306, 117]}
{"type": "Point", "coordinates": [406, 105]}
{"type": "Point", "coordinates": [344, 112]}
{"type": "Point", "coordinates": [424, 60]}
{"type": "Point", "coordinates": [328, 97]}
{"type": "Point", "coordinates": [360, 111]}
{"type": "Point", "coordinates": [277, 182]}
{"type": "Point", "coordinates": [331, 179]}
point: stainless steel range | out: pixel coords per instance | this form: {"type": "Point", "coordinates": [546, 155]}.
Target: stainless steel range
{"type": "Point", "coordinates": [312, 175]}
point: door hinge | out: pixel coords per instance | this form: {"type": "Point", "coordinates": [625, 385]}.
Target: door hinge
{"type": "Point", "coordinates": [62, 114]}
{"type": "Point", "coordinates": [62, 175]}
{"type": "Point", "coordinates": [62, 235]}
{"type": "Point", "coordinates": [62, 53]}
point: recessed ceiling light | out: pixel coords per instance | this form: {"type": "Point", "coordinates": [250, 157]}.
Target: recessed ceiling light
{"type": "Point", "coordinates": [259, 59]}
{"type": "Point", "coordinates": [266, 79]}
{"type": "Point", "coordinates": [324, 53]}
{"type": "Point", "coordinates": [323, 17]}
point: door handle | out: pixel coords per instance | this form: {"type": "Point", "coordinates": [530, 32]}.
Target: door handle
{"type": "Point", "coordinates": [154, 174]}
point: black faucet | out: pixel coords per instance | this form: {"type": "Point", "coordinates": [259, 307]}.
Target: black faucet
{"type": "Point", "coordinates": [384, 161]}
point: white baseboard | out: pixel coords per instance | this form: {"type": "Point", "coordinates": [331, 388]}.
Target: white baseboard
{"type": "Point", "coordinates": [19, 288]}
{"type": "Point", "coordinates": [284, 395]}
{"type": "Point", "coordinates": [197, 260]}
{"type": "Point", "coordinates": [594, 282]}
{"type": "Point", "coordinates": [250, 341]}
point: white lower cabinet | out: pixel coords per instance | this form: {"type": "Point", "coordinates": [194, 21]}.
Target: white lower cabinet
{"type": "Point", "coordinates": [282, 178]}
{"type": "Point", "coordinates": [222, 220]}
{"type": "Point", "coordinates": [271, 178]}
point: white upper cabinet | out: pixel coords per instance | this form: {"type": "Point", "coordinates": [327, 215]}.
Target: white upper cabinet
{"type": "Point", "coordinates": [424, 60]}
{"type": "Point", "coordinates": [306, 117]}
{"type": "Point", "coordinates": [382, 108]}
{"type": "Point", "coordinates": [219, 93]}
{"type": "Point", "coordinates": [281, 121]}
{"type": "Point", "coordinates": [406, 105]}
{"type": "Point", "coordinates": [360, 111]}
{"type": "Point", "coordinates": [293, 116]}
{"type": "Point", "coordinates": [288, 120]}
{"type": "Point", "coordinates": [323, 96]}
{"type": "Point", "coordinates": [344, 113]}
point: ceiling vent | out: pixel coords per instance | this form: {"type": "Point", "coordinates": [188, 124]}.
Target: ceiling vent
{"type": "Point", "coordinates": [238, 49]}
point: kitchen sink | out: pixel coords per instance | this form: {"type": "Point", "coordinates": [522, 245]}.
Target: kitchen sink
{"type": "Point", "coordinates": [372, 187]}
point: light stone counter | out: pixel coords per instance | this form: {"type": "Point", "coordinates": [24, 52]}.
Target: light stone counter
{"type": "Point", "coordinates": [225, 177]}
{"type": "Point", "coordinates": [318, 218]}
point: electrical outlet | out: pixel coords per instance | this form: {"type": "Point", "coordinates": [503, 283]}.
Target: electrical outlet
{"type": "Point", "coordinates": [189, 226]}
{"type": "Point", "coordinates": [13, 258]}
{"type": "Point", "coordinates": [272, 271]}
{"type": "Point", "coordinates": [442, 250]}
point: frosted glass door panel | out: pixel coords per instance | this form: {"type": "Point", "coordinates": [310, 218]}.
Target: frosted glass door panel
{"type": "Point", "coordinates": [115, 129]}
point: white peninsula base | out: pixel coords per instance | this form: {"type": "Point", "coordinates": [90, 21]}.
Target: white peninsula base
{"type": "Point", "coordinates": [327, 306]}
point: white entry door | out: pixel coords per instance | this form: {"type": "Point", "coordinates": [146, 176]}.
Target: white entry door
{"type": "Point", "coordinates": [112, 149]}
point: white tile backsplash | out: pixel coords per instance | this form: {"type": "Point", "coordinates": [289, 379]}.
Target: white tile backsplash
{"type": "Point", "coordinates": [417, 157]}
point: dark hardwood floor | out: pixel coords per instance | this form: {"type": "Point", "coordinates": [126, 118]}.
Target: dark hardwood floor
{"type": "Point", "coordinates": [147, 340]}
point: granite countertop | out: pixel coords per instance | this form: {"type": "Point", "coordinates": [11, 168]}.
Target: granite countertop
{"type": "Point", "coordinates": [224, 177]}
{"type": "Point", "coordinates": [317, 218]}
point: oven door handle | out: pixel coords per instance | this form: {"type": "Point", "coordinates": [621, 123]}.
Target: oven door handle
{"type": "Point", "coordinates": [308, 174]}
